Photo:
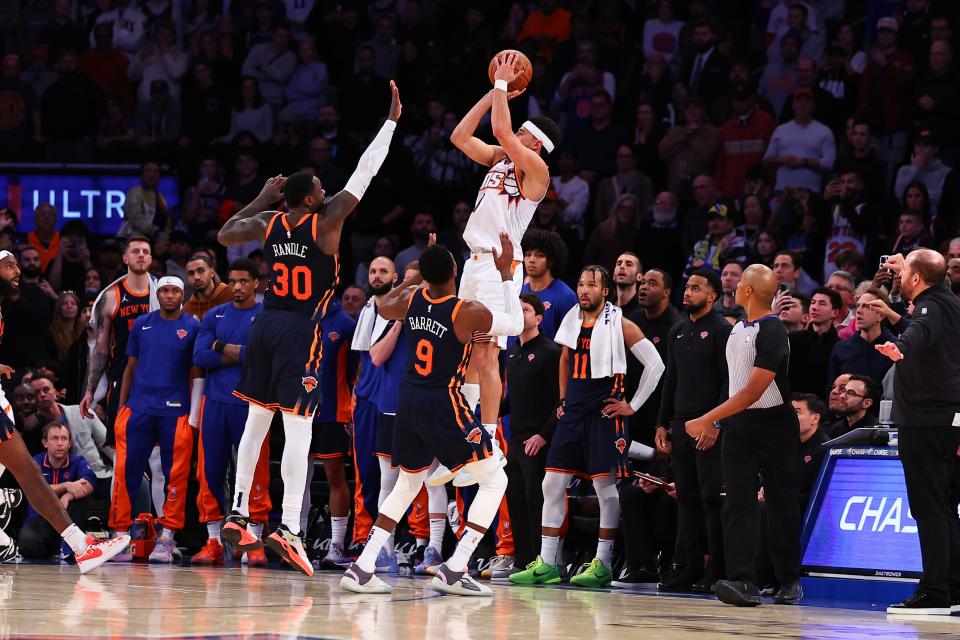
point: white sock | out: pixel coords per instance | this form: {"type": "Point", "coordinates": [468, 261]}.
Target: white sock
{"type": "Point", "coordinates": [256, 528]}
{"type": "Point", "coordinates": [604, 551]}
{"type": "Point", "coordinates": [248, 454]}
{"type": "Point", "coordinates": [639, 451]}
{"type": "Point", "coordinates": [338, 528]}
{"type": "Point", "coordinates": [375, 541]}
{"type": "Point", "coordinates": [388, 545]}
{"type": "Point", "coordinates": [293, 467]}
{"type": "Point", "coordinates": [465, 548]}
{"type": "Point", "coordinates": [471, 393]}
{"type": "Point", "coordinates": [213, 529]}
{"type": "Point", "coordinates": [305, 507]}
{"type": "Point", "coordinates": [74, 537]}
{"type": "Point", "coordinates": [549, 547]}
{"type": "Point", "coordinates": [388, 479]}
{"type": "Point", "coordinates": [491, 429]}
{"type": "Point", "coordinates": [422, 542]}
{"type": "Point", "coordinates": [437, 528]}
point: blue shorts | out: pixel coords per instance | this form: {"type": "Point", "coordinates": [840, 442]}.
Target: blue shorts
{"type": "Point", "coordinates": [282, 365]}
{"type": "Point", "coordinates": [383, 445]}
{"type": "Point", "coordinates": [434, 422]}
{"type": "Point", "coordinates": [330, 440]}
{"type": "Point", "coordinates": [590, 446]}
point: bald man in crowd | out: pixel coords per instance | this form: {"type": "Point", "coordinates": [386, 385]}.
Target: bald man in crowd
{"type": "Point", "coordinates": [926, 410]}
{"type": "Point", "coordinates": [761, 436]}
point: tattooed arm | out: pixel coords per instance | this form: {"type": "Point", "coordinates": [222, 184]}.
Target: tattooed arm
{"type": "Point", "coordinates": [101, 349]}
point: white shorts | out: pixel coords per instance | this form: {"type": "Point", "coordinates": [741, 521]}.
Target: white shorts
{"type": "Point", "coordinates": [481, 282]}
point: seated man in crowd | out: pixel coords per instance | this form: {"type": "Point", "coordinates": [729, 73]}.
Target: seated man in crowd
{"type": "Point", "coordinates": [858, 400]}
{"type": "Point", "coordinates": [71, 479]}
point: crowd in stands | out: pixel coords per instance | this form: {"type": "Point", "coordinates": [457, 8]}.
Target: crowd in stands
{"type": "Point", "coordinates": [815, 137]}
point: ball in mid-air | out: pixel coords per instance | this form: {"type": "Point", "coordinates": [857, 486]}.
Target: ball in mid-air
{"type": "Point", "coordinates": [522, 65]}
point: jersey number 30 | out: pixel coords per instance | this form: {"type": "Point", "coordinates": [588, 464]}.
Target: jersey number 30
{"type": "Point", "coordinates": [424, 353]}
{"type": "Point", "coordinates": [296, 281]}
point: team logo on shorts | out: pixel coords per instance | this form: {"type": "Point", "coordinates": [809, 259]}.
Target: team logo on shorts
{"type": "Point", "coordinates": [474, 436]}
{"type": "Point", "coordinates": [309, 383]}
{"type": "Point", "coordinates": [620, 444]}
{"type": "Point", "coordinates": [181, 333]}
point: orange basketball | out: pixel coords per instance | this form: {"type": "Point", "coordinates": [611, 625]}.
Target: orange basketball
{"type": "Point", "coordinates": [523, 66]}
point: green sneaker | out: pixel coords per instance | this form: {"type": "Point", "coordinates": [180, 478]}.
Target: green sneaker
{"type": "Point", "coordinates": [595, 575]}
{"type": "Point", "coordinates": [537, 572]}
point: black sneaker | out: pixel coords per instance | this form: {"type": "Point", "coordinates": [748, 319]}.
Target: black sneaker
{"type": "Point", "coordinates": [789, 593]}
{"type": "Point", "coordinates": [739, 593]}
{"type": "Point", "coordinates": [921, 604]}
{"type": "Point", "coordinates": [634, 578]}
{"type": "Point", "coordinates": [705, 584]}
{"type": "Point", "coordinates": [682, 580]}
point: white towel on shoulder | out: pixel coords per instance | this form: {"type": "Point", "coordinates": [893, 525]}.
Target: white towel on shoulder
{"type": "Point", "coordinates": [370, 326]}
{"type": "Point", "coordinates": [154, 301]}
{"type": "Point", "coordinates": [608, 354]}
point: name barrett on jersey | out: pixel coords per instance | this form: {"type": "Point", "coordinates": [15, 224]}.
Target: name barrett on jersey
{"type": "Point", "coordinates": [422, 323]}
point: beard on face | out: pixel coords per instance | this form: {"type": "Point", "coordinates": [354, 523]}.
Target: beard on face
{"type": "Point", "coordinates": [955, 286]}
{"type": "Point", "coordinates": [7, 288]}
{"type": "Point", "coordinates": [30, 271]}
{"type": "Point", "coordinates": [591, 306]}
{"type": "Point", "coordinates": [691, 307]}
{"type": "Point", "coordinates": [381, 290]}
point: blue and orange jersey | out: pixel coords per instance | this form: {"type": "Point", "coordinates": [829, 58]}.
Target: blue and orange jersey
{"type": "Point", "coordinates": [583, 390]}
{"type": "Point", "coordinates": [164, 352]}
{"type": "Point", "coordinates": [302, 277]}
{"type": "Point", "coordinates": [231, 325]}
{"type": "Point", "coordinates": [129, 306]}
{"type": "Point", "coordinates": [335, 374]}
{"type": "Point", "coordinates": [435, 356]}
{"type": "Point", "coordinates": [391, 373]}
{"type": "Point", "coordinates": [74, 468]}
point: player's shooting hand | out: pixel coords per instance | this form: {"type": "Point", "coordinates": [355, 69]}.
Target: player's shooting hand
{"type": "Point", "coordinates": [395, 106]}
{"type": "Point", "coordinates": [890, 350]}
{"type": "Point", "coordinates": [513, 94]}
{"type": "Point", "coordinates": [273, 188]}
{"type": "Point", "coordinates": [506, 68]}
{"type": "Point", "coordinates": [504, 259]}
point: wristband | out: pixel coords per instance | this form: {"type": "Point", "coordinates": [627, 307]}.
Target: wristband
{"type": "Point", "coordinates": [500, 84]}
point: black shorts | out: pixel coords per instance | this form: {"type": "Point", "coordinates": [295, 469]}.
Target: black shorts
{"type": "Point", "coordinates": [383, 442]}
{"type": "Point", "coordinates": [330, 440]}
{"type": "Point", "coordinates": [282, 365]}
{"type": "Point", "coordinates": [588, 445]}
{"type": "Point", "coordinates": [112, 409]}
{"type": "Point", "coordinates": [434, 422]}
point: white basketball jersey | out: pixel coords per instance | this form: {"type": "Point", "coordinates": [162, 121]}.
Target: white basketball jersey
{"type": "Point", "coordinates": [501, 206]}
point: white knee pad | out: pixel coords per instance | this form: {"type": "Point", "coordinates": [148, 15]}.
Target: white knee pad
{"type": "Point", "coordinates": [492, 483]}
{"type": "Point", "coordinates": [258, 410]}
{"type": "Point", "coordinates": [404, 491]}
{"type": "Point", "coordinates": [388, 478]}
{"type": "Point", "coordinates": [554, 499]}
{"type": "Point", "coordinates": [609, 499]}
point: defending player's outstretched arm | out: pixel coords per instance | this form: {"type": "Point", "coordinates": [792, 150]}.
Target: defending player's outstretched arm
{"type": "Point", "coordinates": [475, 317]}
{"type": "Point", "coordinates": [250, 223]}
{"type": "Point", "coordinates": [342, 204]}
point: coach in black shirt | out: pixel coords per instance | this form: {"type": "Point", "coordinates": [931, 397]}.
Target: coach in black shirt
{"type": "Point", "coordinates": [533, 378]}
{"type": "Point", "coordinates": [695, 382]}
{"type": "Point", "coordinates": [655, 317]}
{"type": "Point", "coordinates": [761, 436]}
{"type": "Point", "coordinates": [926, 409]}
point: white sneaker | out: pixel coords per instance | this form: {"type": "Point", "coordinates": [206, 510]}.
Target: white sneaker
{"type": "Point", "coordinates": [458, 583]}
{"type": "Point", "coordinates": [101, 551]}
{"type": "Point", "coordinates": [356, 580]}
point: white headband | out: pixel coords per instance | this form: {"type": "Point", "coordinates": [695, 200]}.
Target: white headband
{"type": "Point", "coordinates": [537, 133]}
{"type": "Point", "coordinates": [6, 254]}
{"type": "Point", "coordinates": [170, 281]}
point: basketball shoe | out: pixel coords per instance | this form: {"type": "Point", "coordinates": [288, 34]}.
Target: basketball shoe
{"type": "Point", "coordinates": [289, 546]}
{"type": "Point", "coordinates": [10, 499]}
{"type": "Point", "coordinates": [356, 580]}
{"type": "Point", "coordinates": [458, 583]}
{"type": "Point", "coordinates": [537, 572]}
{"type": "Point", "coordinates": [100, 551]}
{"type": "Point", "coordinates": [212, 553]}
{"type": "Point", "coordinates": [595, 575]}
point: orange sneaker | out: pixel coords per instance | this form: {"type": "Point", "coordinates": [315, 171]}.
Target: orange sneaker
{"type": "Point", "coordinates": [212, 553]}
{"type": "Point", "coordinates": [255, 558]}
{"type": "Point", "coordinates": [289, 546]}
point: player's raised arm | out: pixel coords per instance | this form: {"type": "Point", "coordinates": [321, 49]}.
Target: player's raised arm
{"type": "Point", "coordinates": [394, 305]}
{"type": "Point", "coordinates": [478, 318]}
{"type": "Point", "coordinates": [342, 204]}
{"type": "Point", "coordinates": [462, 136]}
{"type": "Point", "coordinates": [250, 223]}
{"type": "Point", "coordinates": [535, 174]}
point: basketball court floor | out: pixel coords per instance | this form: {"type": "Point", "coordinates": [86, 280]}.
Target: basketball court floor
{"type": "Point", "coordinates": [138, 601]}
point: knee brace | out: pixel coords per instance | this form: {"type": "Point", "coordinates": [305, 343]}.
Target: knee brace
{"type": "Point", "coordinates": [404, 491]}
{"type": "Point", "coordinates": [492, 483]}
{"type": "Point", "coordinates": [609, 499]}
{"type": "Point", "coordinates": [554, 499]}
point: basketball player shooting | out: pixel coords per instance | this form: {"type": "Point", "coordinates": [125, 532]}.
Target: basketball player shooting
{"type": "Point", "coordinates": [433, 420]}
{"type": "Point", "coordinates": [517, 181]}
{"type": "Point", "coordinates": [284, 351]}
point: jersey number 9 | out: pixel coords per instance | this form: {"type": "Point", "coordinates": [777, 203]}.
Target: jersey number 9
{"type": "Point", "coordinates": [424, 353]}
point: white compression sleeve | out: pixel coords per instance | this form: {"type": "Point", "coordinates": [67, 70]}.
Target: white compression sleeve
{"type": "Point", "coordinates": [196, 397]}
{"type": "Point", "coordinates": [510, 321]}
{"type": "Point", "coordinates": [371, 160]}
{"type": "Point", "coordinates": [653, 368]}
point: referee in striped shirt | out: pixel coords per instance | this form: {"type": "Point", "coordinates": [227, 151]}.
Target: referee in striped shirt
{"type": "Point", "coordinates": [761, 436]}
